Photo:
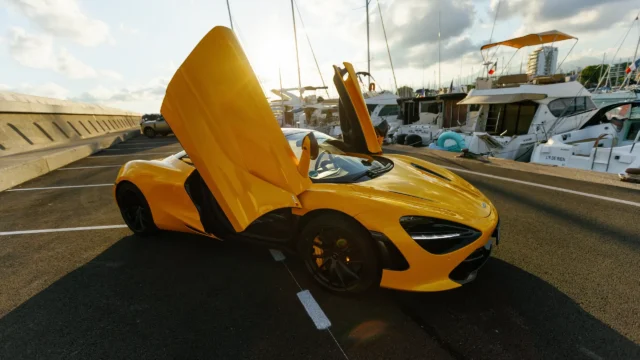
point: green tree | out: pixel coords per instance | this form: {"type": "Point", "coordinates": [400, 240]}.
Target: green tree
{"type": "Point", "coordinates": [590, 75]}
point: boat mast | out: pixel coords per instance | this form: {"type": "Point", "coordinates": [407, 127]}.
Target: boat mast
{"type": "Point", "coordinates": [229, 10]}
{"type": "Point", "coordinates": [439, 82]}
{"type": "Point", "coordinates": [295, 38]}
{"type": "Point", "coordinates": [635, 54]}
{"type": "Point", "coordinates": [368, 53]}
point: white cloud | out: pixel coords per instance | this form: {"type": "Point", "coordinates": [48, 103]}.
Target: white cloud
{"type": "Point", "coordinates": [145, 97]}
{"type": "Point", "coordinates": [72, 67]}
{"type": "Point", "coordinates": [49, 89]}
{"type": "Point", "coordinates": [128, 29]}
{"type": "Point", "coordinates": [37, 51]}
{"type": "Point", "coordinates": [63, 18]}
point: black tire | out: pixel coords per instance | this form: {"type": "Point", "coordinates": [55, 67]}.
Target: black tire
{"type": "Point", "coordinates": [149, 132]}
{"type": "Point", "coordinates": [135, 210]}
{"type": "Point", "coordinates": [413, 140]}
{"type": "Point", "coordinates": [399, 139]}
{"type": "Point", "coordinates": [338, 253]}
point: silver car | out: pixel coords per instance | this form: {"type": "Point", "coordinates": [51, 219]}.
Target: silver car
{"type": "Point", "coordinates": [154, 124]}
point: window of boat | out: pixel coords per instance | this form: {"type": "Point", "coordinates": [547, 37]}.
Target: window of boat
{"type": "Point", "coordinates": [511, 119]}
{"type": "Point", "coordinates": [474, 107]}
{"type": "Point", "coordinates": [432, 107]}
{"type": "Point", "coordinates": [571, 106]}
{"type": "Point", "coordinates": [371, 108]}
{"type": "Point", "coordinates": [634, 128]}
{"type": "Point", "coordinates": [389, 110]}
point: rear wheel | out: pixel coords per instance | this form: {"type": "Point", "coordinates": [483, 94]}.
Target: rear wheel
{"type": "Point", "coordinates": [149, 132]}
{"type": "Point", "coordinates": [135, 210]}
{"type": "Point", "coordinates": [339, 255]}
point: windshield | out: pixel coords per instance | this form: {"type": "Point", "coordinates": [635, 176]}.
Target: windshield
{"type": "Point", "coordinates": [333, 165]}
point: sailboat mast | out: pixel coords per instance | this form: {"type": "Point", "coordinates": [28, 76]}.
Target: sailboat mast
{"type": "Point", "coordinates": [368, 53]}
{"type": "Point", "coordinates": [439, 82]}
{"type": "Point", "coordinates": [229, 10]}
{"type": "Point", "coordinates": [295, 38]}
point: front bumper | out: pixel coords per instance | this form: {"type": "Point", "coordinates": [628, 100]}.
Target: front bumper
{"type": "Point", "coordinates": [429, 272]}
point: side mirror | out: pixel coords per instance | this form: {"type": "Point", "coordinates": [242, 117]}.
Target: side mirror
{"type": "Point", "coordinates": [309, 152]}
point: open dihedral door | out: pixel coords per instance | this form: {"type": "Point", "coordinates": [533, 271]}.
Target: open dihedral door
{"type": "Point", "coordinates": [358, 132]}
{"type": "Point", "coordinates": [216, 107]}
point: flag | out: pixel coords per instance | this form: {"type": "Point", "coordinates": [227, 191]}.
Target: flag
{"type": "Point", "coordinates": [634, 65]}
{"type": "Point", "coordinates": [493, 68]}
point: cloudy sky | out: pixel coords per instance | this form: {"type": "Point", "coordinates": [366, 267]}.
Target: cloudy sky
{"type": "Point", "coordinates": [123, 52]}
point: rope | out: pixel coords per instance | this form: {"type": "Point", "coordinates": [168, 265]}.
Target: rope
{"type": "Point", "coordinates": [311, 47]}
{"type": "Point", "coordinates": [388, 51]}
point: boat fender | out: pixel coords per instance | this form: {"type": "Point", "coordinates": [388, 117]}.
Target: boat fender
{"type": "Point", "coordinates": [450, 135]}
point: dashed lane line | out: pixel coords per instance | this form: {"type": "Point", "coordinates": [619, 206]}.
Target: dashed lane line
{"type": "Point", "coordinates": [311, 306]}
{"type": "Point", "coordinates": [136, 154]}
{"type": "Point", "coordinates": [599, 197]}
{"type": "Point", "coordinates": [59, 187]}
{"type": "Point", "coordinates": [43, 231]}
{"type": "Point", "coordinates": [90, 167]}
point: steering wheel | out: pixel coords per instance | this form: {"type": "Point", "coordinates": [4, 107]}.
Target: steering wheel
{"type": "Point", "coordinates": [321, 164]}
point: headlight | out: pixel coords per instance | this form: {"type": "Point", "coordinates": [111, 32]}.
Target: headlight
{"type": "Point", "coordinates": [438, 236]}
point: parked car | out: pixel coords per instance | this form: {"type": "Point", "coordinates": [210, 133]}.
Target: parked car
{"type": "Point", "coordinates": [356, 217]}
{"type": "Point", "coordinates": [154, 124]}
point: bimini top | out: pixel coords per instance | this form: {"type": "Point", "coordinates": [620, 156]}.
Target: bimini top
{"type": "Point", "coordinates": [532, 39]}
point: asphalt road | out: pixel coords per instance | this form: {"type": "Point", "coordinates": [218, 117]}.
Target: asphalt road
{"type": "Point", "coordinates": [562, 284]}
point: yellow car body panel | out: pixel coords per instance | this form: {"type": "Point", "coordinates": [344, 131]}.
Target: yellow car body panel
{"type": "Point", "coordinates": [215, 105]}
{"type": "Point", "coordinates": [162, 183]}
{"type": "Point", "coordinates": [353, 98]}
{"type": "Point", "coordinates": [251, 169]}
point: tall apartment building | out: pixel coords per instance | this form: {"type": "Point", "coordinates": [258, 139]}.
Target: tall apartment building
{"type": "Point", "coordinates": [542, 61]}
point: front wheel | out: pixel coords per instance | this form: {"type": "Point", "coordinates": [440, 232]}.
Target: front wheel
{"type": "Point", "coordinates": [135, 210]}
{"type": "Point", "coordinates": [150, 133]}
{"type": "Point", "coordinates": [339, 255]}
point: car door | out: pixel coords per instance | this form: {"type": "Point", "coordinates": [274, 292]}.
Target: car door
{"type": "Point", "coordinates": [358, 132]}
{"type": "Point", "coordinates": [217, 110]}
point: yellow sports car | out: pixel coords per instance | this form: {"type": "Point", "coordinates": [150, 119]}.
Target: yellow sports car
{"type": "Point", "coordinates": [355, 217]}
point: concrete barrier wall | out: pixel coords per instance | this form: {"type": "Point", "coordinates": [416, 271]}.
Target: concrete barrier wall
{"type": "Point", "coordinates": [31, 122]}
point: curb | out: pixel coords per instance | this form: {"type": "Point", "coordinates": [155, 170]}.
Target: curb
{"type": "Point", "coordinates": [18, 174]}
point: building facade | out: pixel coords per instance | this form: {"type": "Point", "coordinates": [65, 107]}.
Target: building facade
{"type": "Point", "coordinates": [542, 61]}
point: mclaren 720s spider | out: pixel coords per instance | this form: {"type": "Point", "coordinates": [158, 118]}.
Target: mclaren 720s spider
{"type": "Point", "coordinates": [356, 218]}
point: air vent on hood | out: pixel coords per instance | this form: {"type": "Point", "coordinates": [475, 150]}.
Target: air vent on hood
{"type": "Point", "coordinates": [422, 168]}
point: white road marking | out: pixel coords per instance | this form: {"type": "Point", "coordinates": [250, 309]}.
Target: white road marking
{"type": "Point", "coordinates": [589, 353]}
{"type": "Point", "coordinates": [134, 148]}
{"type": "Point", "coordinates": [90, 167]}
{"type": "Point", "coordinates": [84, 228]}
{"type": "Point", "coordinates": [277, 255]}
{"type": "Point", "coordinates": [599, 197]}
{"type": "Point", "coordinates": [59, 187]}
{"type": "Point", "coordinates": [136, 154]}
{"type": "Point", "coordinates": [313, 309]}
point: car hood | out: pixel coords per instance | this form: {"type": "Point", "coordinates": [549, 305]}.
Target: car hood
{"type": "Point", "coordinates": [431, 186]}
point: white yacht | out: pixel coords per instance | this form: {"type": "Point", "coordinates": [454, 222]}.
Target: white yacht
{"type": "Point", "coordinates": [604, 98]}
{"type": "Point", "coordinates": [510, 120]}
{"type": "Point", "coordinates": [517, 111]}
{"type": "Point", "coordinates": [605, 143]}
